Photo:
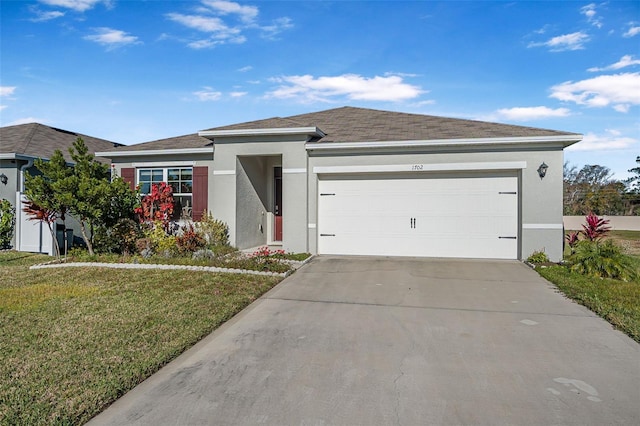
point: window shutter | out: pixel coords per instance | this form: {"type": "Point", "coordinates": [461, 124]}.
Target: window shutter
{"type": "Point", "coordinates": [129, 175]}
{"type": "Point", "coordinates": [200, 191]}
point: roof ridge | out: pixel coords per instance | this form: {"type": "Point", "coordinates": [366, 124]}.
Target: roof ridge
{"type": "Point", "coordinates": [29, 137]}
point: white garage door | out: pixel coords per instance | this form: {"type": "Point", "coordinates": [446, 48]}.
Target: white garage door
{"type": "Point", "coordinates": [468, 217]}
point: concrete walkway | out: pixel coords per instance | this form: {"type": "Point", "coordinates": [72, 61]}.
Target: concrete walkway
{"type": "Point", "coordinates": [386, 341]}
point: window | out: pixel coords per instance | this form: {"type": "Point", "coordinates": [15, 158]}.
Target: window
{"type": "Point", "coordinates": [181, 181]}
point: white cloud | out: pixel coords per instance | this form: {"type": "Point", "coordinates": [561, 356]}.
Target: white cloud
{"type": "Point", "coordinates": [306, 88]}
{"type": "Point", "coordinates": [207, 94]}
{"type": "Point", "coordinates": [612, 140]}
{"type": "Point", "coordinates": [619, 90]}
{"type": "Point", "coordinates": [26, 120]}
{"type": "Point", "coordinates": [45, 16]}
{"type": "Point", "coordinates": [245, 69]}
{"type": "Point", "coordinates": [214, 16]}
{"type": "Point", "coordinates": [590, 12]}
{"type": "Point", "coordinates": [532, 113]}
{"type": "Point", "coordinates": [625, 61]}
{"type": "Point", "coordinates": [7, 90]}
{"type": "Point", "coordinates": [238, 94]}
{"type": "Point", "coordinates": [633, 31]}
{"type": "Point", "coordinates": [2, 107]}
{"type": "Point", "coordinates": [112, 38]}
{"type": "Point", "coordinates": [77, 5]}
{"type": "Point", "coordinates": [246, 13]}
{"type": "Point", "coordinates": [207, 24]}
{"type": "Point", "coordinates": [277, 26]}
{"type": "Point", "coordinates": [573, 41]}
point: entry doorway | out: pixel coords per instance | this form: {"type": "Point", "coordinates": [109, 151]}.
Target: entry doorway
{"type": "Point", "coordinates": [277, 203]}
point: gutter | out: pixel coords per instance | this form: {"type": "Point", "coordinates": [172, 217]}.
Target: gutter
{"type": "Point", "coordinates": [147, 152]}
{"type": "Point", "coordinates": [565, 140]}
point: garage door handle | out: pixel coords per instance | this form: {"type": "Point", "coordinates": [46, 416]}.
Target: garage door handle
{"type": "Point", "coordinates": [508, 238]}
{"type": "Point", "coordinates": [324, 194]}
{"type": "Point", "coordinates": [327, 235]}
{"type": "Point", "coordinates": [508, 192]}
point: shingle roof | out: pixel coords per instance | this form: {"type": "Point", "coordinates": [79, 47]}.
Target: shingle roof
{"type": "Point", "coordinates": [349, 124]}
{"type": "Point", "coordinates": [40, 141]}
{"type": "Point", "coordinates": [177, 142]}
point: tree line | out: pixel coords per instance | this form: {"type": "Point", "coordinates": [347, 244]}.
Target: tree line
{"type": "Point", "coordinates": [592, 189]}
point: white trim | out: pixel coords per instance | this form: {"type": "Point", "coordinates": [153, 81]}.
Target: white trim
{"type": "Point", "coordinates": [542, 226]}
{"type": "Point", "coordinates": [165, 164]}
{"type": "Point", "coordinates": [14, 156]}
{"type": "Point", "coordinates": [142, 153]}
{"type": "Point", "coordinates": [224, 172]}
{"type": "Point", "coordinates": [312, 226]}
{"type": "Point", "coordinates": [418, 168]}
{"type": "Point", "coordinates": [565, 140]}
{"type": "Point", "coordinates": [302, 170]}
{"type": "Point", "coordinates": [264, 132]}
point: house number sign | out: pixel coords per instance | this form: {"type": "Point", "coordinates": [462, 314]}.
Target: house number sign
{"type": "Point", "coordinates": [417, 167]}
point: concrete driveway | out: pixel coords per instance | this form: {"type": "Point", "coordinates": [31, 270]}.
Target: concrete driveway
{"type": "Point", "coordinates": [386, 341]}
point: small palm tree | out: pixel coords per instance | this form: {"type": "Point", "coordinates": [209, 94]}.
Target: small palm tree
{"type": "Point", "coordinates": [39, 213]}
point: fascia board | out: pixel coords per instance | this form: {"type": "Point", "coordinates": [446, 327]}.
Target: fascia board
{"type": "Point", "coordinates": [564, 140]}
{"type": "Point", "coordinates": [14, 156]}
{"type": "Point", "coordinates": [264, 132]}
{"type": "Point", "coordinates": [144, 153]}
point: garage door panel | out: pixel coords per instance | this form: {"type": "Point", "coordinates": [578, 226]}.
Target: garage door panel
{"type": "Point", "coordinates": [474, 217]}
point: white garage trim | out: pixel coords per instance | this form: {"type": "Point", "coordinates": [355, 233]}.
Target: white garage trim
{"type": "Point", "coordinates": [416, 168]}
{"type": "Point", "coordinates": [224, 172]}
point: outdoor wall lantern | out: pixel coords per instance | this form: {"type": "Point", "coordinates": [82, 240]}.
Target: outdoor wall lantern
{"type": "Point", "coordinates": [542, 170]}
{"type": "Point", "coordinates": [4, 179]}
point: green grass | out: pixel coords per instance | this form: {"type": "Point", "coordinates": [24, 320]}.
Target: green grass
{"type": "Point", "coordinates": [616, 301]}
{"type": "Point", "coordinates": [72, 340]}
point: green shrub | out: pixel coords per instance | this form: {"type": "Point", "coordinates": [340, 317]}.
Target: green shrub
{"type": "Point", "coordinates": [214, 231]}
{"type": "Point", "coordinates": [189, 240]}
{"type": "Point", "coordinates": [602, 260]}
{"type": "Point", "coordinates": [161, 243]}
{"type": "Point", "coordinates": [7, 223]}
{"type": "Point", "coordinates": [121, 238]}
{"type": "Point", "coordinates": [538, 256]}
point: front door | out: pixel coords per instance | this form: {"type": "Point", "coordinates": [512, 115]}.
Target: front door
{"type": "Point", "coordinates": [277, 205]}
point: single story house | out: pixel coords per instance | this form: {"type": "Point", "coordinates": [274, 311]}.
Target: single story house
{"type": "Point", "coordinates": [360, 181]}
{"type": "Point", "coordinates": [20, 145]}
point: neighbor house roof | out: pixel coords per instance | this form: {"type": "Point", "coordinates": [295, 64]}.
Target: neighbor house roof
{"type": "Point", "coordinates": [36, 140]}
{"type": "Point", "coordinates": [350, 124]}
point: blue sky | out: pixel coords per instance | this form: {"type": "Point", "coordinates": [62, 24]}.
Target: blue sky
{"type": "Point", "coordinates": [135, 71]}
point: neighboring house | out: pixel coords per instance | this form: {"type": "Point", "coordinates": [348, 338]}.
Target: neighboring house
{"type": "Point", "coordinates": [367, 182]}
{"type": "Point", "coordinates": [20, 145]}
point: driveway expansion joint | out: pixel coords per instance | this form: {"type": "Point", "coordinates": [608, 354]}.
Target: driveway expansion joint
{"type": "Point", "coordinates": [386, 305]}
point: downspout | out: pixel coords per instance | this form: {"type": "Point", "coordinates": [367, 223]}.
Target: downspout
{"type": "Point", "coordinates": [23, 170]}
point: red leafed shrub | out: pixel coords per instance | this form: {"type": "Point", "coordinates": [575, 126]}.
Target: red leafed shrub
{"type": "Point", "coordinates": [595, 227]}
{"type": "Point", "coordinates": [156, 206]}
{"type": "Point", "coordinates": [190, 240]}
{"type": "Point", "coordinates": [266, 252]}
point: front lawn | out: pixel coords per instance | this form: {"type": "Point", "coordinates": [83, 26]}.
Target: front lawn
{"type": "Point", "coordinates": [616, 301]}
{"type": "Point", "coordinates": [73, 340]}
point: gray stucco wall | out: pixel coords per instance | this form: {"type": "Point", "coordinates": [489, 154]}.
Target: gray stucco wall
{"type": "Point", "coordinates": [293, 157]}
{"type": "Point", "coordinates": [251, 201]}
{"type": "Point", "coordinates": [540, 199]}
{"type": "Point", "coordinates": [12, 171]}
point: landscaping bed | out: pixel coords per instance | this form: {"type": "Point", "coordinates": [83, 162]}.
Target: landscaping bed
{"type": "Point", "coordinates": [73, 340]}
